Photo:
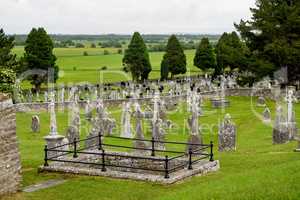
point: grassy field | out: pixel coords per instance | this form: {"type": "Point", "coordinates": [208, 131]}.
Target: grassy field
{"type": "Point", "coordinates": [257, 170]}
{"type": "Point", "coordinates": [74, 67]}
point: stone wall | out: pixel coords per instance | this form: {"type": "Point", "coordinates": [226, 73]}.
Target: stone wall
{"type": "Point", "coordinates": [10, 166]}
{"type": "Point", "coordinates": [267, 93]}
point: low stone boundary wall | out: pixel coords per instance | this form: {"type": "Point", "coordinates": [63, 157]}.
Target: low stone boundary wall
{"type": "Point", "coordinates": [267, 93]}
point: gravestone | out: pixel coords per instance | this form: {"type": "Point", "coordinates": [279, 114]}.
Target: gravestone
{"type": "Point", "coordinates": [73, 130]}
{"type": "Point", "coordinates": [195, 137]}
{"type": "Point", "coordinates": [53, 139]}
{"type": "Point", "coordinates": [35, 124]}
{"type": "Point", "coordinates": [158, 134]}
{"type": "Point", "coordinates": [280, 129]}
{"type": "Point", "coordinates": [125, 121]}
{"type": "Point", "coordinates": [139, 132]}
{"type": "Point", "coordinates": [261, 102]}
{"type": "Point", "coordinates": [267, 115]}
{"type": "Point", "coordinates": [88, 111]}
{"type": "Point", "coordinates": [227, 135]}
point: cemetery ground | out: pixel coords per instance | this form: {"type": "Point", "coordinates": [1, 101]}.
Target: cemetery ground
{"type": "Point", "coordinates": [75, 67]}
{"type": "Point", "coordinates": [257, 170]}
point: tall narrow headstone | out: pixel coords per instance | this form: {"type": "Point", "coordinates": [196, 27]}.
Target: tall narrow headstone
{"type": "Point", "coordinates": [280, 129]}
{"type": "Point", "coordinates": [227, 135]}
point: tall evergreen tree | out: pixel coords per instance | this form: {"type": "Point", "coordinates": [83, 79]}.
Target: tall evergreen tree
{"type": "Point", "coordinates": [7, 58]}
{"type": "Point", "coordinates": [136, 58]}
{"type": "Point", "coordinates": [174, 60]}
{"type": "Point", "coordinates": [39, 55]}
{"type": "Point", "coordinates": [8, 63]}
{"type": "Point", "coordinates": [231, 52]}
{"type": "Point", "coordinates": [273, 37]}
{"type": "Point", "coordinates": [205, 57]}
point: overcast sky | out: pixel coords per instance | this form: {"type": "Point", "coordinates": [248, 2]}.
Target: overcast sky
{"type": "Point", "coordinates": [123, 16]}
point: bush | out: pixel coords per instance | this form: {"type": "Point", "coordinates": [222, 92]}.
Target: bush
{"type": "Point", "coordinates": [7, 80]}
{"type": "Point", "coordinates": [79, 45]}
{"type": "Point", "coordinates": [106, 52]}
{"type": "Point", "coordinates": [120, 51]}
{"type": "Point", "coordinates": [74, 68]}
{"type": "Point", "coordinates": [85, 53]}
{"type": "Point", "coordinates": [104, 68]}
{"type": "Point", "coordinates": [93, 45]}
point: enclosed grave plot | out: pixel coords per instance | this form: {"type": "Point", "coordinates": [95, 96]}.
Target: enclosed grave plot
{"type": "Point", "coordinates": [147, 164]}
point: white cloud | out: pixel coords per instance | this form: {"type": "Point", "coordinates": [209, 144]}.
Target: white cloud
{"type": "Point", "coordinates": [123, 16]}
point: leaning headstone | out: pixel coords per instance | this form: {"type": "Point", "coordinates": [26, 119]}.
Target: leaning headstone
{"type": "Point", "coordinates": [35, 124]}
{"type": "Point", "coordinates": [267, 115]}
{"type": "Point", "coordinates": [227, 135]}
{"type": "Point", "coordinates": [280, 129]}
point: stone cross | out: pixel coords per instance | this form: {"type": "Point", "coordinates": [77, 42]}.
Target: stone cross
{"type": "Point", "coordinates": [53, 125]}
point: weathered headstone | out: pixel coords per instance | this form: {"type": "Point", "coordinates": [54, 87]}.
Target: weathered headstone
{"type": "Point", "coordinates": [261, 101]}
{"type": "Point", "coordinates": [227, 135]}
{"type": "Point", "coordinates": [35, 124]}
{"type": "Point", "coordinates": [73, 130]}
{"type": "Point", "coordinates": [139, 132]}
{"type": "Point", "coordinates": [267, 115]}
{"type": "Point", "coordinates": [280, 129]}
{"type": "Point", "coordinates": [125, 121]}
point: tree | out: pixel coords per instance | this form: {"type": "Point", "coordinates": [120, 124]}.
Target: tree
{"type": "Point", "coordinates": [8, 63]}
{"type": "Point", "coordinates": [93, 45]}
{"type": "Point", "coordinates": [164, 70]}
{"type": "Point", "coordinates": [39, 55]}
{"type": "Point", "coordinates": [136, 58]}
{"type": "Point", "coordinates": [174, 60]}
{"type": "Point", "coordinates": [205, 57]}
{"type": "Point", "coordinates": [231, 52]}
{"type": "Point", "coordinates": [273, 37]}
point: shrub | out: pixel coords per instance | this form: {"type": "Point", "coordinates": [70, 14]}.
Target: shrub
{"type": "Point", "coordinates": [85, 53]}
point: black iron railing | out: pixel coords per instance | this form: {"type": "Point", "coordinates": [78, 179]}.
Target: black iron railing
{"type": "Point", "coordinates": [193, 156]}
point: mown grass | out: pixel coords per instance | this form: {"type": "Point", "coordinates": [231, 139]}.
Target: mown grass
{"type": "Point", "coordinates": [74, 67]}
{"type": "Point", "coordinates": [257, 170]}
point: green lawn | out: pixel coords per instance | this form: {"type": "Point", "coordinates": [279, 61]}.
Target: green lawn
{"type": "Point", "coordinates": [257, 170]}
{"type": "Point", "coordinates": [74, 67]}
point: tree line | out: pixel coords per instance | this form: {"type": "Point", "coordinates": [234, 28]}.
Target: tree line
{"type": "Point", "coordinates": [270, 41]}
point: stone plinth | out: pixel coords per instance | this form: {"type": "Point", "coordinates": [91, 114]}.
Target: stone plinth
{"type": "Point", "coordinates": [53, 141]}
{"type": "Point", "coordinates": [219, 102]}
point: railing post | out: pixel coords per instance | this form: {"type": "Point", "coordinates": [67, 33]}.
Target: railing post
{"type": "Point", "coordinates": [46, 156]}
{"type": "Point", "coordinates": [100, 141]}
{"type": "Point", "coordinates": [190, 167]}
{"type": "Point", "coordinates": [75, 148]}
{"type": "Point", "coordinates": [211, 156]}
{"type": "Point", "coordinates": [167, 167]}
{"type": "Point", "coordinates": [103, 161]}
{"type": "Point", "coordinates": [152, 147]}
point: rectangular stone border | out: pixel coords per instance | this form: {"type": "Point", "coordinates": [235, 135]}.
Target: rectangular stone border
{"type": "Point", "coordinates": [199, 169]}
